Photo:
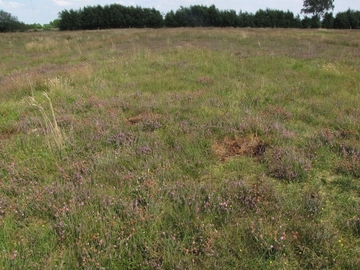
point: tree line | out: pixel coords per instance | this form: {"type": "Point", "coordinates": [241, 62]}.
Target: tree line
{"type": "Point", "coordinates": [10, 23]}
{"type": "Point", "coordinates": [119, 16]}
{"type": "Point", "coordinates": [110, 16]}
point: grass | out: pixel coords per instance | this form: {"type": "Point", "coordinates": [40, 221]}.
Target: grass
{"type": "Point", "coordinates": [55, 137]}
{"type": "Point", "coordinates": [180, 149]}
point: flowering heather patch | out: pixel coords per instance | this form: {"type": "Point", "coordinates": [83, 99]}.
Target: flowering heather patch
{"type": "Point", "coordinates": [205, 80]}
{"type": "Point", "coordinates": [287, 163]}
{"type": "Point", "coordinates": [273, 243]}
{"type": "Point", "coordinates": [121, 138]}
{"type": "Point", "coordinates": [151, 125]}
{"type": "Point", "coordinates": [350, 164]}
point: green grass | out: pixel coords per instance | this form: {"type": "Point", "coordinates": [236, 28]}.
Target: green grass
{"type": "Point", "coordinates": [180, 149]}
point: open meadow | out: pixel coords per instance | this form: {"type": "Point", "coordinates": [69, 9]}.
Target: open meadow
{"type": "Point", "coordinates": [199, 148]}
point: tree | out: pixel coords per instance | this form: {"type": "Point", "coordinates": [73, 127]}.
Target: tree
{"type": "Point", "coordinates": [347, 19]}
{"type": "Point", "coordinates": [317, 7]}
{"type": "Point", "coordinates": [315, 22]}
{"type": "Point", "coordinates": [354, 18]}
{"type": "Point", "coordinates": [170, 20]}
{"type": "Point", "coordinates": [229, 18]}
{"type": "Point", "coordinates": [88, 18]}
{"type": "Point", "coordinates": [55, 23]}
{"type": "Point", "coordinates": [341, 21]}
{"type": "Point", "coordinates": [246, 19]}
{"type": "Point", "coordinates": [306, 22]}
{"type": "Point", "coordinates": [152, 18]}
{"type": "Point", "coordinates": [328, 21]}
{"type": "Point", "coordinates": [214, 16]}
{"type": "Point", "coordinates": [8, 22]}
{"type": "Point", "coordinates": [70, 20]}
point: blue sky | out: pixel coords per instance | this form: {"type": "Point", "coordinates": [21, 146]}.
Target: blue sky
{"type": "Point", "coordinates": [41, 11]}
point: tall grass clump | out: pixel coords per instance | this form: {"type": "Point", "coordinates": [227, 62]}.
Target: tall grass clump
{"type": "Point", "coordinates": [55, 138]}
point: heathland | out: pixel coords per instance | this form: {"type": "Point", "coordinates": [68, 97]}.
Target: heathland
{"type": "Point", "coordinates": [199, 148]}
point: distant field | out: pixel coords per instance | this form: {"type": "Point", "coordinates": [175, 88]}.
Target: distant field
{"type": "Point", "coordinates": [198, 148]}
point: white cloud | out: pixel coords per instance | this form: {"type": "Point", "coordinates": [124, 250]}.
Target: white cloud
{"type": "Point", "coordinates": [74, 3]}
{"type": "Point", "coordinates": [14, 4]}
{"type": "Point", "coordinates": [10, 4]}
{"type": "Point", "coordinates": [62, 3]}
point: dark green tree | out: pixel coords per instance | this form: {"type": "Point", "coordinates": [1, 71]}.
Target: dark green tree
{"type": "Point", "coordinates": [70, 20]}
{"type": "Point", "coordinates": [262, 18]}
{"type": "Point", "coordinates": [99, 17]}
{"type": "Point", "coordinates": [8, 22]}
{"type": "Point", "coordinates": [118, 16]}
{"type": "Point", "coordinates": [328, 21]}
{"type": "Point", "coordinates": [152, 18]}
{"type": "Point", "coordinates": [229, 18]}
{"type": "Point", "coordinates": [170, 19]}
{"type": "Point", "coordinates": [341, 21]}
{"type": "Point", "coordinates": [88, 18]}
{"type": "Point", "coordinates": [306, 22]}
{"type": "Point", "coordinates": [275, 18]}
{"type": "Point", "coordinates": [317, 7]}
{"type": "Point", "coordinates": [354, 18]}
{"type": "Point", "coordinates": [135, 17]}
{"type": "Point", "coordinates": [315, 21]}
{"type": "Point", "coordinates": [182, 17]}
{"type": "Point", "coordinates": [290, 21]}
{"type": "Point", "coordinates": [214, 16]}
{"type": "Point", "coordinates": [107, 19]}
{"type": "Point", "coordinates": [199, 16]}
{"type": "Point", "coordinates": [347, 19]}
{"type": "Point", "coordinates": [246, 19]}
{"type": "Point", "coordinates": [297, 22]}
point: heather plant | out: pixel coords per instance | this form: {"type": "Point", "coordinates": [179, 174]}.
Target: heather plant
{"type": "Point", "coordinates": [287, 163]}
{"type": "Point", "coordinates": [350, 163]}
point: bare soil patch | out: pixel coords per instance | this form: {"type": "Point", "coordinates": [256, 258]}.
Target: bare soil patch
{"type": "Point", "coordinates": [142, 117]}
{"type": "Point", "coordinates": [229, 147]}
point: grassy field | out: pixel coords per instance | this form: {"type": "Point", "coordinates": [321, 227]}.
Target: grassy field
{"type": "Point", "coordinates": [180, 149]}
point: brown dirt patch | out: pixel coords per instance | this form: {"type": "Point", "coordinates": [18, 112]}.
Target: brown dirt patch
{"type": "Point", "coordinates": [205, 80]}
{"type": "Point", "coordinates": [30, 77]}
{"type": "Point", "coordinates": [142, 117]}
{"type": "Point", "coordinates": [248, 146]}
{"type": "Point", "coordinates": [278, 111]}
{"type": "Point", "coordinates": [4, 137]}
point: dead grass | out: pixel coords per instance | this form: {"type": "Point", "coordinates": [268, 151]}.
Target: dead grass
{"type": "Point", "coordinates": [54, 135]}
{"type": "Point", "coordinates": [143, 117]}
{"type": "Point", "coordinates": [250, 145]}
{"type": "Point", "coordinates": [41, 45]}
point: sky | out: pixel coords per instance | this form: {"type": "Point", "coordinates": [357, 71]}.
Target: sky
{"type": "Point", "coordinates": [45, 11]}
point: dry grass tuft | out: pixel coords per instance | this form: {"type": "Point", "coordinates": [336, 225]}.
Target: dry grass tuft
{"type": "Point", "coordinates": [83, 70]}
{"type": "Point", "coordinates": [41, 44]}
{"type": "Point", "coordinates": [54, 136]}
{"type": "Point", "coordinates": [58, 83]}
